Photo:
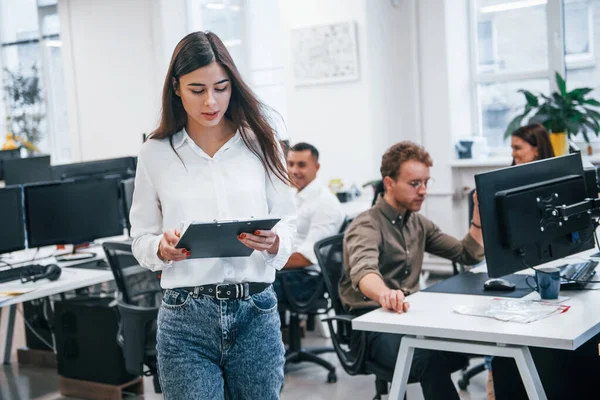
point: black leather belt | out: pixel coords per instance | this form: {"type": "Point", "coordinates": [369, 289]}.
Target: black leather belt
{"type": "Point", "coordinates": [228, 291]}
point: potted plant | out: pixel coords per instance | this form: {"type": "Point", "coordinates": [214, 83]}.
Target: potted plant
{"type": "Point", "coordinates": [25, 106]}
{"type": "Point", "coordinates": [563, 114]}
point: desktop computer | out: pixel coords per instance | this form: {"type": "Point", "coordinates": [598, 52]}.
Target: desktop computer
{"type": "Point", "coordinates": [19, 171]}
{"type": "Point", "coordinates": [536, 212]}
{"type": "Point", "coordinates": [123, 167]}
{"type": "Point", "coordinates": [12, 233]}
{"type": "Point", "coordinates": [72, 212]}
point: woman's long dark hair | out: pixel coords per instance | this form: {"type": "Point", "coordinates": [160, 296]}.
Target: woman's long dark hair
{"type": "Point", "coordinates": [247, 113]}
{"type": "Point", "coordinates": [537, 136]}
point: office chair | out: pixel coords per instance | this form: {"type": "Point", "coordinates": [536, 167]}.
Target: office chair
{"type": "Point", "coordinates": [138, 303]}
{"type": "Point", "coordinates": [316, 304]}
{"type": "Point", "coordinates": [329, 252]}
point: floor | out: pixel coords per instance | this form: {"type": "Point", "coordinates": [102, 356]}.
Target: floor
{"type": "Point", "coordinates": [302, 381]}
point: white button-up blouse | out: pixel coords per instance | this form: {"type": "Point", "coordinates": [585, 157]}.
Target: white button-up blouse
{"type": "Point", "coordinates": [179, 184]}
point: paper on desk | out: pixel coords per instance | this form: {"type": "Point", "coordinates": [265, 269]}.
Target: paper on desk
{"type": "Point", "coordinates": [523, 311]}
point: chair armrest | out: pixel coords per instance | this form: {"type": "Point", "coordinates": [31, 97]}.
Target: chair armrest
{"type": "Point", "coordinates": [344, 318]}
{"type": "Point", "coordinates": [352, 359]}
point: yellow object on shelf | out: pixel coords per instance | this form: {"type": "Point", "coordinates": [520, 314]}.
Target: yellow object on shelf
{"type": "Point", "coordinates": [26, 143]}
{"type": "Point", "coordinates": [559, 143]}
{"type": "Point", "coordinates": [10, 143]}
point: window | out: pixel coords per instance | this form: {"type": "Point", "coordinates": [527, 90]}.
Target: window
{"type": "Point", "coordinates": [511, 53]}
{"type": "Point", "coordinates": [223, 17]}
{"type": "Point", "coordinates": [579, 34]}
{"type": "Point", "coordinates": [519, 44]}
{"type": "Point", "coordinates": [31, 48]}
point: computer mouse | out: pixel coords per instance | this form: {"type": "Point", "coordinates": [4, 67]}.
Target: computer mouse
{"type": "Point", "coordinates": [498, 284]}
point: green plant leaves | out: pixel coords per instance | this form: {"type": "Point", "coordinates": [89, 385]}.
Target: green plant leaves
{"type": "Point", "coordinates": [562, 111]}
{"type": "Point", "coordinates": [562, 85]}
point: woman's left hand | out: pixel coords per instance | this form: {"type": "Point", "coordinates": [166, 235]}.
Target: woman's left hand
{"type": "Point", "coordinates": [261, 240]}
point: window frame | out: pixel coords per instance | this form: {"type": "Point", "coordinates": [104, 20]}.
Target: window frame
{"type": "Point", "coordinates": [556, 61]}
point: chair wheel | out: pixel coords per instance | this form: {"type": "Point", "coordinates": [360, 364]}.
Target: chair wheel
{"type": "Point", "coordinates": [331, 377]}
{"type": "Point", "coordinates": [463, 384]}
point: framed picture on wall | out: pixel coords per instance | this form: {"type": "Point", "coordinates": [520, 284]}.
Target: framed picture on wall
{"type": "Point", "coordinates": [325, 53]}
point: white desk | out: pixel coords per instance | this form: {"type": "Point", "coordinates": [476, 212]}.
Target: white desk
{"type": "Point", "coordinates": [432, 324]}
{"type": "Point", "coordinates": [71, 278]}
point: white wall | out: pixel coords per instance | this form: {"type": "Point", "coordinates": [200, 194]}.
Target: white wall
{"type": "Point", "coordinates": [336, 118]}
{"type": "Point", "coordinates": [110, 72]}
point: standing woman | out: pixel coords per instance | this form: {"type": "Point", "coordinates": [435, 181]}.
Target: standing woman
{"type": "Point", "coordinates": [213, 157]}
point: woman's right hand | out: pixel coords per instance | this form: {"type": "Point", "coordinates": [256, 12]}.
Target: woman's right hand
{"type": "Point", "coordinates": [166, 247]}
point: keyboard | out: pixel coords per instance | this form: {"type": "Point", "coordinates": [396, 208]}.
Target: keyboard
{"type": "Point", "coordinates": [14, 274]}
{"type": "Point", "coordinates": [583, 271]}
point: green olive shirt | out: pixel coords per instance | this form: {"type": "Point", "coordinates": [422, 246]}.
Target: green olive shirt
{"type": "Point", "coordinates": [382, 241]}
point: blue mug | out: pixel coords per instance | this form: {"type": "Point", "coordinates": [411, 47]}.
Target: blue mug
{"type": "Point", "coordinates": [547, 282]}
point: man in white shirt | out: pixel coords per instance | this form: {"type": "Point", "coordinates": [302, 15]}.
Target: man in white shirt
{"type": "Point", "coordinates": [319, 215]}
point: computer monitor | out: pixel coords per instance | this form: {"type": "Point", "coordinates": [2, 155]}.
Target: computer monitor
{"type": "Point", "coordinates": [127, 186]}
{"type": "Point", "coordinates": [72, 212]}
{"type": "Point", "coordinates": [12, 231]}
{"type": "Point", "coordinates": [10, 154]}
{"type": "Point", "coordinates": [123, 167]}
{"type": "Point", "coordinates": [535, 213]}
{"type": "Point", "coordinates": [19, 171]}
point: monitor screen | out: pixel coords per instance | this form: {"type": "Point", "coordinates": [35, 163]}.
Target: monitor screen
{"type": "Point", "coordinates": [127, 186]}
{"type": "Point", "coordinates": [124, 167]}
{"type": "Point", "coordinates": [72, 212]}
{"type": "Point", "coordinates": [19, 171]}
{"type": "Point", "coordinates": [12, 233]}
{"type": "Point", "coordinates": [520, 218]}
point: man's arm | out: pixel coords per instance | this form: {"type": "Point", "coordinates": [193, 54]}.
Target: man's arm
{"type": "Point", "coordinates": [296, 261]}
{"type": "Point", "coordinates": [325, 221]}
{"type": "Point", "coordinates": [373, 287]}
{"type": "Point", "coordinates": [362, 243]}
{"type": "Point", "coordinates": [475, 228]}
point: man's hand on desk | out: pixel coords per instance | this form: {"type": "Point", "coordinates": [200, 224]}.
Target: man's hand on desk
{"type": "Point", "coordinates": [394, 300]}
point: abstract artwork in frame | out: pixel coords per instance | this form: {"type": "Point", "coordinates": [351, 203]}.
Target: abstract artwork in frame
{"type": "Point", "coordinates": [325, 54]}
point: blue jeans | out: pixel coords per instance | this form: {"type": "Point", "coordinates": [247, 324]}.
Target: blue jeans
{"type": "Point", "coordinates": [208, 348]}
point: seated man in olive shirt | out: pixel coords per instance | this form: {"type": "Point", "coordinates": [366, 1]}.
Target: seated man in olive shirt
{"type": "Point", "coordinates": [383, 256]}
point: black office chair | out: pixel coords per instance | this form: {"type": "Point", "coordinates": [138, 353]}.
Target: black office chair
{"type": "Point", "coordinates": [329, 252]}
{"type": "Point", "coordinates": [315, 305]}
{"type": "Point", "coordinates": [138, 303]}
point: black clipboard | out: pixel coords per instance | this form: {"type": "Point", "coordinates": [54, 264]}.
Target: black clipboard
{"type": "Point", "coordinates": [219, 238]}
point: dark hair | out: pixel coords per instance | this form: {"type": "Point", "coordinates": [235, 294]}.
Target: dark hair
{"type": "Point", "coordinates": [305, 146]}
{"type": "Point", "coordinates": [248, 114]}
{"type": "Point", "coordinates": [537, 136]}
{"type": "Point", "coordinates": [400, 153]}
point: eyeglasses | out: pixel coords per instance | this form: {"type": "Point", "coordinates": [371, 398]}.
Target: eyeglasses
{"type": "Point", "coordinates": [416, 184]}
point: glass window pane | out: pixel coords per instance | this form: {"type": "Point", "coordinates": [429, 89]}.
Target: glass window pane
{"type": "Point", "coordinates": [504, 23]}
{"type": "Point", "coordinates": [501, 102]}
{"type": "Point", "coordinates": [223, 17]}
{"type": "Point", "coordinates": [19, 20]}
{"type": "Point", "coordinates": [50, 25]}
{"type": "Point", "coordinates": [581, 43]}
{"type": "Point", "coordinates": [577, 27]}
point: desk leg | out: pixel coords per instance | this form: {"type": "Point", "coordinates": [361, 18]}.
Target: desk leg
{"type": "Point", "coordinates": [402, 369]}
{"type": "Point", "coordinates": [521, 354]}
{"type": "Point", "coordinates": [529, 375]}
{"type": "Point", "coordinates": [9, 333]}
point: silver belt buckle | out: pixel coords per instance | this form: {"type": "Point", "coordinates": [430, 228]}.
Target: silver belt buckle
{"type": "Point", "coordinates": [218, 291]}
